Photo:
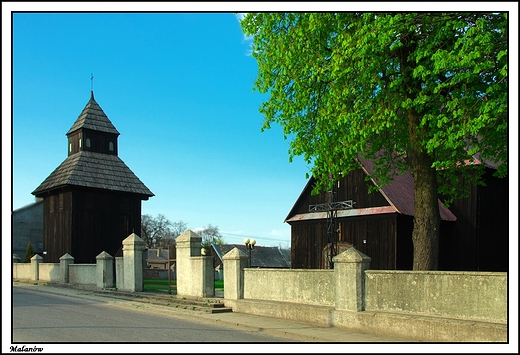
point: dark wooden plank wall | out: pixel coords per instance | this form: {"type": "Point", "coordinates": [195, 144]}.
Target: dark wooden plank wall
{"type": "Point", "coordinates": [307, 242]}
{"type": "Point", "coordinates": [479, 239]}
{"type": "Point", "coordinates": [57, 222]}
{"type": "Point", "coordinates": [103, 221]}
{"type": "Point", "coordinates": [375, 237]}
{"type": "Point", "coordinates": [87, 222]}
{"type": "Point", "coordinates": [404, 252]}
{"type": "Point", "coordinates": [380, 232]}
{"type": "Point", "coordinates": [351, 187]}
{"type": "Point", "coordinates": [493, 224]}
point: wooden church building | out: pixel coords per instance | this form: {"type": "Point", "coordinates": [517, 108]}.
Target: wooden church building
{"type": "Point", "coordinates": [473, 232]}
{"type": "Point", "coordinates": [92, 201]}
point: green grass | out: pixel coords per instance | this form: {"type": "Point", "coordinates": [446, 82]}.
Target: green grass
{"type": "Point", "coordinates": [159, 282]}
{"type": "Point", "coordinates": [158, 285]}
{"type": "Point", "coordinates": [162, 285]}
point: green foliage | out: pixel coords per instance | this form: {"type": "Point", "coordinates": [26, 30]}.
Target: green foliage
{"type": "Point", "coordinates": [29, 253]}
{"type": "Point", "coordinates": [425, 92]}
{"type": "Point", "coordinates": [343, 84]}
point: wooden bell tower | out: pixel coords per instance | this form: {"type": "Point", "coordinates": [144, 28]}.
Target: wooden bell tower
{"type": "Point", "coordinates": [92, 201]}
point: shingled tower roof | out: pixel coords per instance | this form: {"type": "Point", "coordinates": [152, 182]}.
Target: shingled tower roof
{"type": "Point", "coordinates": [90, 168]}
{"type": "Point", "coordinates": [93, 118]}
{"type": "Point", "coordinates": [94, 170]}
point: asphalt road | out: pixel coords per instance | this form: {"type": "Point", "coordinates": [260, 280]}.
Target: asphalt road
{"type": "Point", "coordinates": [42, 318]}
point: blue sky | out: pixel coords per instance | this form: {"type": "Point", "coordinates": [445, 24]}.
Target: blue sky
{"type": "Point", "coordinates": [178, 87]}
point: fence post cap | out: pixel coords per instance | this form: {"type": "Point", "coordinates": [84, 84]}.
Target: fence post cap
{"type": "Point", "coordinates": [351, 255]}
{"type": "Point", "coordinates": [67, 256]}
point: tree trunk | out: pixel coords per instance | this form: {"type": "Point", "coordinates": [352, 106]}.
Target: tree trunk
{"type": "Point", "coordinates": [426, 222]}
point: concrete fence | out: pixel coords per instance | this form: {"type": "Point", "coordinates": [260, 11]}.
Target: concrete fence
{"type": "Point", "coordinates": [48, 271]}
{"type": "Point", "coordinates": [82, 274]}
{"type": "Point", "coordinates": [99, 275]}
{"type": "Point", "coordinates": [302, 286]}
{"type": "Point", "coordinates": [430, 305]}
{"type": "Point", "coordinates": [465, 295]}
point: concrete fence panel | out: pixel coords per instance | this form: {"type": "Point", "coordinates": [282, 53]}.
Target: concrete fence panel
{"type": "Point", "coordinates": [466, 295]}
{"type": "Point", "coordinates": [49, 272]}
{"type": "Point", "coordinates": [23, 271]}
{"type": "Point", "coordinates": [309, 286]}
{"type": "Point", "coordinates": [83, 274]}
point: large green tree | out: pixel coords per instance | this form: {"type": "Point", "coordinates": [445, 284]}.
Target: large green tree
{"type": "Point", "coordinates": [424, 92]}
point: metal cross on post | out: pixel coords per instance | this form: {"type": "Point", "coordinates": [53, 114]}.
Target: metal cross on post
{"type": "Point", "coordinates": [332, 208]}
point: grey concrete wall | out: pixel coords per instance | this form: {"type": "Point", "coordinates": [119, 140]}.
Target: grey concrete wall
{"type": "Point", "coordinates": [427, 306]}
{"type": "Point", "coordinates": [22, 271]}
{"type": "Point", "coordinates": [83, 274]}
{"type": "Point", "coordinates": [466, 295]}
{"type": "Point", "coordinates": [309, 286]}
{"type": "Point", "coordinates": [421, 328]}
{"type": "Point", "coordinates": [49, 272]}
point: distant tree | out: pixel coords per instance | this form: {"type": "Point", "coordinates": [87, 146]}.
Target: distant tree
{"type": "Point", "coordinates": [423, 92]}
{"type": "Point", "coordinates": [29, 253]}
{"type": "Point", "coordinates": [178, 228]}
{"type": "Point", "coordinates": [160, 231]}
{"type": "Point", "coordinates": [210, 235]}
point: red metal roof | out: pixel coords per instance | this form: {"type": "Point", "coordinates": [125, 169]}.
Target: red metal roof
{"type": "Point", "coordinates": [399, 193]}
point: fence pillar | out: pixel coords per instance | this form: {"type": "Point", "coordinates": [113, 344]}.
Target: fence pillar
{"type": "Point", "coordinates": [65, 261]}
{"type": "Point", "coordinates": [195, 273]}
{"type": "Point", "coordinates": [234, 264]}
{"type": "Point", "coordinates": [349, 279]}
{"type": "Point", "coordinates": [120, 269]}
{"type": "Point", "coordinates": [35, 262]}
{"type": "Point", "coordinates": [133, 247]}
{"type": "Point", "coordinates": [208, 276]}
{"type": "Point", "coordinates": [105, 270]}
